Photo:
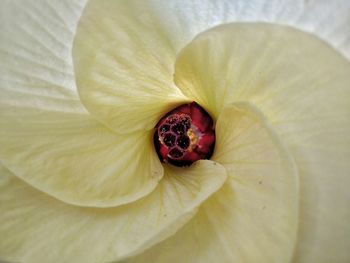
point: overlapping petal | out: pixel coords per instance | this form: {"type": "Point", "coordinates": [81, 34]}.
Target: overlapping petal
{"type": "Point", "coordinates": [124, 65]}
{"type": "Point", "coordinates": [254, 217]}
{"type": "Point", "coordinates": [76, 159]}
{"type": "Point", "coordinates": [302, 85]}
{"type": "Point", "coordinates": [124, 51]}
{"type": "Point", "coordinates": [314, 134]}
{"type": "Point", "coordinates": [37, 228]}
{"type": "Point", "coordinates": [36, 68]}
{"type": "Point", "coordinates": [47, 136]}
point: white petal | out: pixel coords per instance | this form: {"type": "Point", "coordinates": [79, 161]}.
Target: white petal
{"type": "Point", "coordinates": [35, 48]}
{"type": "Point", "coordinates": [330, 20]}
{"type": "Point", "coordinates": [37, 228]}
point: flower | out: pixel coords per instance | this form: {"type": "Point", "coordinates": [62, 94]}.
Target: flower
{"type": "Point", "coordinates": [80, 180]}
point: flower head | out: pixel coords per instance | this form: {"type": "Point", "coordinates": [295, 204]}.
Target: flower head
{"type": "Point", "coordinates": [83, 85]}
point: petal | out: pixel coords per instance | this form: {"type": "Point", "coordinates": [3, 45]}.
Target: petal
{"type": "Point", "coordinates": [37, 228]}
{"type": "Point", "coordinates": [302, 86]}
{"type": "Point", "coordinates": [125, 50]}
{"type": "Point", "coordinates": [36, 68]}
{"type": "Point", "coordinates": [40, 140]}
{"type": "Point", "coordinates": [76, 159]}
{"type": "Point", "coordinates": [253, 218]}
{"type": "Point", "coordinates": [238, 61]}
{"type": "Point", "coordinates": [48, 60]}
{"type": "Point", "coordinates": [124, 75]}
{"type": "Point", "coordinates": [328, 20]}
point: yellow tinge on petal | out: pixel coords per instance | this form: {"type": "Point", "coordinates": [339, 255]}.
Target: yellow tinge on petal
{"type": "Point", "coordinates": [302, 86]}
{"type": "Point", "coordinates": [254, 217]}
{"type": "Point", "coordinates": [124, 60]}
{"type": "Point", "coordinates": [124, 77]}
{"type": "Point", "coordinates": [36, 228]}
{"type": "Point", "coordinates": [76, 159]}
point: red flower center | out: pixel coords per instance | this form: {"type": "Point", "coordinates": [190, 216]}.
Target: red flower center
{"type": "Point", "coordinates": [184, 135]}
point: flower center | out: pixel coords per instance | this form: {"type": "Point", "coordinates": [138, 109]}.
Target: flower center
{"type": "Point", "coordinates": [184, 135]}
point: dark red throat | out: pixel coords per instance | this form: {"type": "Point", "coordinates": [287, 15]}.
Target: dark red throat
{"type": "Point", "coordinates": [184, 135]}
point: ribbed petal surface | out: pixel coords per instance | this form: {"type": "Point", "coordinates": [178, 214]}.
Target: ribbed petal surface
{"type": "Point", "coordinates": [46, 135]}
{"type": "Point", "coordinates": [37, 228]}
{"type": "Point", "coordinates": [125, 50]}
{"type": "Point", "coordinates": [124, 65]}
{"type": "Point", "coordinates": [254, 217]}
{"type": "Point", "coordinates": [76, 159]}
{"type": "Point", "coordinates": [302, 86]}
{"type": "Point", "coordinates": [39, 35]}
{"type": "Point", "coordinates": [36, 68]}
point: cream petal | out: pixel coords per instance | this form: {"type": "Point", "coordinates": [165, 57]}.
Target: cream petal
{"type": "Point", "coordinates": [76, 159]}
{"type": "Point", "coordinates": [333, 27]}
{"type": "Point", "coordinates": [125, 50]}
{"type": "Point", "coordinates": [254, 217]}
{"type": "Point", "coordinates": [37, 228]}
{"type": "Point", "coordinates": [250, 61]}
{"type": "Point", "coordinates": [47, 137]}
{"type": "Point", "coordinates": [124, 66]}
{"type": "Point", "coordinates": [302, 86]}
{"type": "Point", "coordinates": [36, 68]}
{"type": "Point", "coordinates": [328, 20]}
{"type": "Point", "coordinates": [42, 70]}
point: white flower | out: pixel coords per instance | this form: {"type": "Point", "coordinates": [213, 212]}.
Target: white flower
{"type": "Point", "coordinates": [79, 178]}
